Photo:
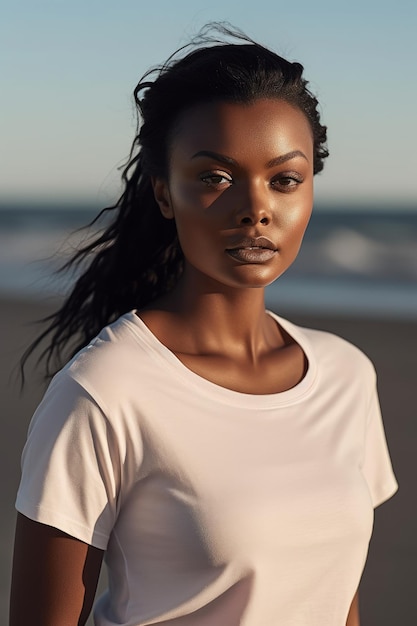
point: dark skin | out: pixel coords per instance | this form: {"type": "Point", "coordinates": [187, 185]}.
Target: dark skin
{"type": "Point", "coordinates": [54, 577]}
{"type": "Point", "coordinates": [236, 171]}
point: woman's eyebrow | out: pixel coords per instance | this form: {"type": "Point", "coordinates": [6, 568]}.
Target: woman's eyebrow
{"type": "Point", "coordinates": [286, 157]}
{"type": "Point", "coordinates": [229, 161]}
{"type": "Point", "coordinates": [216, 156]}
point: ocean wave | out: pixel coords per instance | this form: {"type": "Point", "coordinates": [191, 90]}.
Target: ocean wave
{"type": "Point", "coordinates": [349, 262]}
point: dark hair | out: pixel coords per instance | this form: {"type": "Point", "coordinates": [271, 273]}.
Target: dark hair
{"type": "Point", "coordinates": [137, 258]}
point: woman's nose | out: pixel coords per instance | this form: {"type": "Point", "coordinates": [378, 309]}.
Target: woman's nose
{"type": "Point", "coordinates": [254, 206]}
{"type": "Point", "coordinates": [255, 218]}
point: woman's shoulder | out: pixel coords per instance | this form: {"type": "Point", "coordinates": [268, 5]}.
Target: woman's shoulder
{"type": "Point", "coordinates": [113, 363]}
{"type": "Point", "coordinates": [329, 348]}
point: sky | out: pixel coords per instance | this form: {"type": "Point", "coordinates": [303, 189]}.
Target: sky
{"type": "Point", "coordinates": [69, 67]}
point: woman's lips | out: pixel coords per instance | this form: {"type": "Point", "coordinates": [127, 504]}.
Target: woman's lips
{"type": "Point", "coordinates": [252, 250]}
{"type": "Point", "coordinates": [251, 255]}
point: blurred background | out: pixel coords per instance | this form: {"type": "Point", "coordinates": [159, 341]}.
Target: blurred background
{"type": "Point", "coordinates": [67, 121]}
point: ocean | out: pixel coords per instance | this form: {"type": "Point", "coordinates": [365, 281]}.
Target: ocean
{"type": "Point", "coordinates": [352, 262]}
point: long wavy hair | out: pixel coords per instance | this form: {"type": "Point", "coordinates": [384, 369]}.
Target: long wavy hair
{"type": "Point", "coordinates": [137, 257]}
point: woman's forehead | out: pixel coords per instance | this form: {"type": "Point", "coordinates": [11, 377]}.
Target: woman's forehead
{"type": "Point", "coordinates": [271, 124]}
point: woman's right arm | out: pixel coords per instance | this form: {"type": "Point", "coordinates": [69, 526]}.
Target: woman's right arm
{"type": "Point", "coordinates": [54, 576]}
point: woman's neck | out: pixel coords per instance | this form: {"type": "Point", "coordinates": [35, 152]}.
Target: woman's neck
{"type": "Point", "coordinates": [213, 319]}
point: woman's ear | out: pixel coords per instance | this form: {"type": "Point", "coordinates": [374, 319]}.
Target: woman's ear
{"type": "Point", "coordinates": [163, 197]}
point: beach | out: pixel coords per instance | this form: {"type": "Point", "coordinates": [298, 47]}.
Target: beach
{"type": "Point", "coordinates": [387, 588]}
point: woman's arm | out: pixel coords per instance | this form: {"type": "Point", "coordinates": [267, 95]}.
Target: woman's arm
{"type": "Point", "coordinates": [353, 617]}
{"type": "Point", "coordinates": [54, 577]}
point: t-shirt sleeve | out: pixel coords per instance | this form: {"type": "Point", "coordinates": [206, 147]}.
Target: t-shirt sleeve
{"type": "Point", "coordinates": [71, 465]}
{"type": "Point", "coordinates": [377, 467]}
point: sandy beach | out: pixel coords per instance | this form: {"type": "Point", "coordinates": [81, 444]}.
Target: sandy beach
{"type": "Point", "coordinates": [388, 595]}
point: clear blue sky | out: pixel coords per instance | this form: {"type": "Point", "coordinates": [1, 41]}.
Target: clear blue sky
{"type": "Point", "coordinates": [68, 69]}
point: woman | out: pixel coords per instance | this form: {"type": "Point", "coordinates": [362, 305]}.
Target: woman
{"type": "Point", "coordinates": [224, 461]}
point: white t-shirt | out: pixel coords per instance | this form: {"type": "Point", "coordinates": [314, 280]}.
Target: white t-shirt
{"type": "Point", "coordinates": [215, 507]}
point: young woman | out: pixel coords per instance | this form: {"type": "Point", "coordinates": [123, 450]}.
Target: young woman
{"type": "Point", "coordinates": [224, 461]}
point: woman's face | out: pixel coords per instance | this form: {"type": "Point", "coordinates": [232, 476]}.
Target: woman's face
{"type": "Point", "coordinates": [240, 189]}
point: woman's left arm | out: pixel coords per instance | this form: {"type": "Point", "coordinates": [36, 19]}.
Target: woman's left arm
{"type": "Point", "coordinates": [353, 617]}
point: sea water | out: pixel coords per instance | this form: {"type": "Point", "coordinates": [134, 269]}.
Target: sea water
{"type": "Point", "coordinates": [351, 262]}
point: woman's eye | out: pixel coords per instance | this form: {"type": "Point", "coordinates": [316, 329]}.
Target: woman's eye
{"type": "Point", "coordinates": [287, 182]}
{"type": "Point", "coordinates": [213, 179]}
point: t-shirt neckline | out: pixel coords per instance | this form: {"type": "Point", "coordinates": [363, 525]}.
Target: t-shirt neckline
{"type": "Point", "coordinates": [224, 394]}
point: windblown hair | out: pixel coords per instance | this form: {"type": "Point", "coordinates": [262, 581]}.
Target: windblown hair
{"type": "Point", "coordinates": [137, 258]}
